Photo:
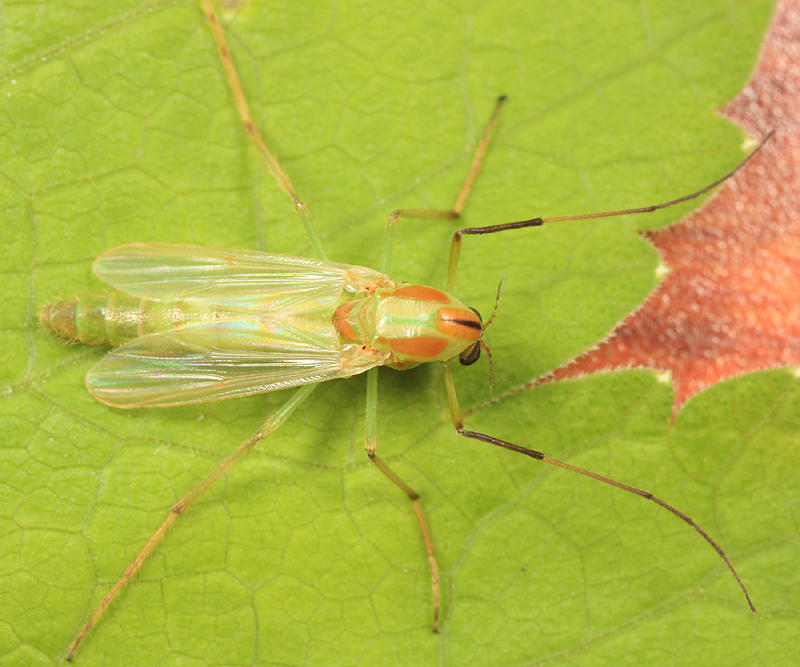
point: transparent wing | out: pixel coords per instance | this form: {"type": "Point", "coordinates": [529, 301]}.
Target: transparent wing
{"type": "Point", "coordinates": [228, 277]}
{"type": "Point", "coordinates": [211, 361]}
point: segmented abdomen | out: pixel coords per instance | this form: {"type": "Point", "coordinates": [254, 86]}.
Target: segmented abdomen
{"type": "Point", "coordinates": [113, 319]}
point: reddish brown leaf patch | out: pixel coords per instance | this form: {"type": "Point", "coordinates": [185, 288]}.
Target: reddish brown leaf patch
{"type": "Point", "coordinates": [731, 301]}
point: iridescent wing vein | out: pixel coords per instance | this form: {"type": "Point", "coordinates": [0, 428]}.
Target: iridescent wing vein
{"type": "Point", "coordinates": [262, 322]}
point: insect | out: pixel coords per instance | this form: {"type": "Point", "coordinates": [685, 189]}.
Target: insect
{"type": "Point", "coordinates": [196, 324]}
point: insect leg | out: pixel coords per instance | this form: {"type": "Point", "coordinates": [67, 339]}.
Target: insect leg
{"type": "Point", "coordinates": [271, 162]}
{"type": "Point", "coordinates": [440, 214]}
{"type": "Point", "coordinates": [371, 444]}
{"type": "Point", "coordinates": [455, 412]}
{"type": "Point", "coordinates": [455, 246]}
{"type": "Point", "coordinates": [271, 424]}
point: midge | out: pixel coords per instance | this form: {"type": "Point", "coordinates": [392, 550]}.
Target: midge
{"type": "Point", "coordinates": [192, 324]}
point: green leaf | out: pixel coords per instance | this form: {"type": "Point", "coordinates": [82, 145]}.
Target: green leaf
{"type": "Point", "coordinates": [119, 126]}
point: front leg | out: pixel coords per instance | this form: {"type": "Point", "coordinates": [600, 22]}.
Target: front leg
{"type": "Point", "coordinates": [458, 422]}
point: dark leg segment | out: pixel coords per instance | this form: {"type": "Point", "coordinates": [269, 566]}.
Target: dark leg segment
{"type": "Point", "coordinates": [455, 247]}
{"type": "Point", "coordinates": [455, 411]}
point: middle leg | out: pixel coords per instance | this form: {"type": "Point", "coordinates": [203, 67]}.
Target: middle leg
{"type": "Point", "coordinates": [444, 214]}
{"type": "Point", "coordinates": [370, 445]}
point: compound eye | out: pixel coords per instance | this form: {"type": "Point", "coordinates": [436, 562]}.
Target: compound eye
{"type": "Point", "coordinates": [471, 354]}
